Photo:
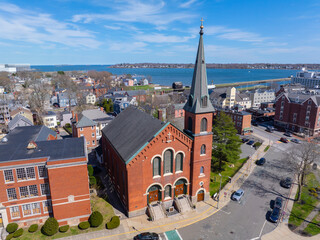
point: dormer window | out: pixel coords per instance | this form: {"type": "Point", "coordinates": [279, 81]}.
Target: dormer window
{"type": "Point", "coordinates": [204, 101]}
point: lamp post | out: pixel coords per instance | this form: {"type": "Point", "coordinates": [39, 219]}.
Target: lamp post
{"type": "Point", "coordinates": [219, 191]}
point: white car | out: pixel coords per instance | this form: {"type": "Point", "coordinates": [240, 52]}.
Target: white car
{"type": "Point", "coordinates": [236, 196]}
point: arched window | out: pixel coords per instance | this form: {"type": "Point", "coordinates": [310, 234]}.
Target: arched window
{"type": "Point", "coordinates": [202, 170]}
{"type": "Point", "coordinates": [156, 166]}
{"type": "Point", "coordinates": [167, 192]}
{"type": "Point", "coordinates": [204, 101]}
{"type": "Point", "coordinates": [168, 162]}
{"type": "Point", "coordinates": [203, 149]}
{"type": "Point", "coordinates": [204, 124]}
{"type": "Point", "coordinates": [179, 162]}
{"type": "Point", "coordinates": [190, 123]}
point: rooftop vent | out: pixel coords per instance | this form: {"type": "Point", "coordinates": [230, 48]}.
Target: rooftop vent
{"type": "Point", "coordinates": [31, 145]}
{"type": "Point", "coordinates": [4, 140]}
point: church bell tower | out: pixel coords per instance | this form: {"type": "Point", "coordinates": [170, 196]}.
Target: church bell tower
{"type": "Point", "coordinates": [198, 125]}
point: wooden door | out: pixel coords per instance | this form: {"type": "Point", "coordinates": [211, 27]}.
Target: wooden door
{"type": "Point", "coordinates": [179, 189]}
{"type": "Point", "coordinates": [200, 196]}
{"type": "Point", "coordinates": [153, 196]}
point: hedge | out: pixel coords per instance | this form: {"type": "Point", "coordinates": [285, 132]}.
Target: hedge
{"type": "Point", "coordinates": [50, 227]}
{"type": "Point", "coordinates": [92, 180]}
{"type": "Point", "coordinates": [84, 225]}
{"type": "Point", "coordinates": [114, 223]}
{"type": "Point", "coordinates": [90, 170]}
{"type": "Point", "coordinates": [64, 228]}
{"type": "Point", "coordinates": [12, 227]}
{"type": "Point", "coordinates": [95, 219]}
{"type": "Point", "coordinates": [10, 236]}
{"type": "Point", "coordinates": [18, 233]}
{"type": "Point", "coordinates": [33, 228]}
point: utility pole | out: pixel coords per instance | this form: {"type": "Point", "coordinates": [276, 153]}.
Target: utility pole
{"type": "Point", "coordinates": [219, 191]}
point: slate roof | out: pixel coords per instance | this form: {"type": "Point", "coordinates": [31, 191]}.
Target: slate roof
{"type": "Point", "coordinates": [18, 118]}
{"type": "Point", "coordinates": [84, 121]}
{"type": "Point", "coordinates": [97, 115]}
{"type": "Point", "coordinates": [300, 97]}
{"type": "Point", "coordinates": [130, 131]}
{"type": "Point", "coordinates": [19, 109]}
{"type": "Point", "coordinates": [16, 146]}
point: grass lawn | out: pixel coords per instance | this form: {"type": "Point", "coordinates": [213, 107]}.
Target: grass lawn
{"type": "Point", "coordinates": [314, 228]}
{"type": "Point", "coordinates": [68, 129]}
{"type": "Point", "coordinates": [145, 87]}
{"type": "Point", "coordinates": [301, 211]}
{"type": "Point", "coordinates": [97, 203]}
{"type": "Point", "coordinates": [226, 172]}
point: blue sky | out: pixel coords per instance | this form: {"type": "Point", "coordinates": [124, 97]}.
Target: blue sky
{"type": "Point", "coordinates": [117, 31]}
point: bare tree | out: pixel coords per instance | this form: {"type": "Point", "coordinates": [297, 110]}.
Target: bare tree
{"type": "Point", "coordinates": [5, 81]}
{"type": "Point", "coordinates": [300, 158]}
{"type": "Point", "coordinates": [102, 77]}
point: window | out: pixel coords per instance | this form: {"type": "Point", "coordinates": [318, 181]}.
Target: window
{"type": "Point", "coordinates": [309, 102]}
{"type": "Point", "coordinates": [201, 170]}
{"type": "Point", "coordinates": [93, 142]}
{"type": "Point", "coordinates": [24, 193]}
{"type": "Point", "coordinates": [92, 134]}
{"type": "Point", "coordinates": [168, 160]}
{"type": "Point", "coordinates": [203, 149]}
{"type": "Point", "coordinates": [179, 162]}
{"type": "Point", "coordinates": [204, 101]}
{"type": "Point", "coordinates": [47, 206]}
{"type": "Point", "coordinates": [28, 191]}
{"type": "Point", "coordinates": [8, 176]}
{"type": "Point", "coordinates": [15, 212]}
{"type": "Point", "coordinates": [81, 129]}
{"type": "Point", "coordinates": [190, 124]}
{"type": "Point", "coordinates": [36, 208]}
{"type": "Point", "coordinates": [11, 192]}
{"type": "Point", "coordinates": [45, 190]}
{"type": "Point", "coordinates": [88, 143]}
{"type": "Point", "coordinates": [42, 170]}
{"type": "Point", "coordinates": [30, 173]}
{"type": "Point", "coordinates": [21, 174]}
{"type": "Point", "coordinates": [26, 209]}
{"type": "Point", "coordinates": [92, 127]}
{"type": "Point", "coordinates": [204, 126]}
{"type": "Point", "coordinates": [167, 192]}
{"type": "Point", "coordinates": [156, 166]}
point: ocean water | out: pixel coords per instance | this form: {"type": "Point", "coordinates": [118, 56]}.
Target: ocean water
{"type": "Point", "coordinates": [166, 76]}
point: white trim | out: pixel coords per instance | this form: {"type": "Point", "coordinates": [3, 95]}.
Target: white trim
{"type": "Point", "coordinates": [157, 155]}
{"type": "Point", "coordinates": [201, 188]}
{"type": "Point", "coordinates": [56, 199]}
{"type": "Point", "coordinates": [81, 200]}
{"type": "Point", "coordinates": [162, 189]}
{"type": "Point", "coordinates": [174, 184]}
{"type": "Point", "coordinates": [4, 176]}
{"type": "Point", "coordinates": [8, 195]}
{"type": "Point", "coordinates": [167, 174]}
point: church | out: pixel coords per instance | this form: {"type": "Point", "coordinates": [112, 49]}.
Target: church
{"type": "Point", "coordinates": [150, 162]}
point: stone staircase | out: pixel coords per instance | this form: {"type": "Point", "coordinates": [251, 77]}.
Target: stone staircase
{"type": "Point", "coordinates": [157, 211]}
{"type": "Point", "coordinates": [183, 203]}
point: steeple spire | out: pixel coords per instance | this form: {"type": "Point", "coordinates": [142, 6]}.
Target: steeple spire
{"type": "Point", "coordinates": [198, 101]}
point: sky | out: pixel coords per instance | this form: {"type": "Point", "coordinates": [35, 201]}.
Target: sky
{"type": "Point", "coordinates": [159, 31]}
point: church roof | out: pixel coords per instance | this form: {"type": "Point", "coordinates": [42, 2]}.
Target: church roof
{"type": "Point", "coordinates": [131, 130]}
{"type": "Point", "coordinates": [199, 89]}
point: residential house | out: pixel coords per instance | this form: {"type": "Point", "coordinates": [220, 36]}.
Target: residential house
{"type": "Point", "coordinates": [223, 97]}
{"type": "Point", "coordinates": [49, 119]}
{"type": "Point", "coordinates": [139, 95]}
{"type": "Point", "coordinates": [144, 82]}
{"type": "Point", "coordinates": [40, 178]}
{"type": "Point", "coordinates": [243, 100]}
{"type": "Point", "coordinates": [91, 98]}
{"type": "Point", "coordinates": [19, 121]}
{"type": "Point", "coordinates": [23, 112]}
{"type": "Point", "coordinates": [259, 96]}
{"type": "Point", "coordinates": [4, 113]}
{"type": "Point", "coordinates": [120, 105]}
{"type": "Point", "coordinates": [241, 120]}
{"type": "Point", "coordinates": [65, 117]}
{"type": "Point", "coordinates": [63, 100]}
{"type": "Point", "coordinates": [84, 127]}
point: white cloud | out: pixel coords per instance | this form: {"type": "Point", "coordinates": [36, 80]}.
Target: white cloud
{"type": "Point", "coordinates": [112, 27]}
{"type": "Point", "coordinates": [161, 38]}
{"type": "Point", "coordinates": [187, 3]}
{"type": "Point", "coordinates": [19, 25]}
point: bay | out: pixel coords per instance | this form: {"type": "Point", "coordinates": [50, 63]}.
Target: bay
{"type": "Point", "coordinates": [166, 76]}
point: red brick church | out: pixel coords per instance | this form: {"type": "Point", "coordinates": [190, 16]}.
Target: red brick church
{"type": "Point", "coordinates": [149, 161]}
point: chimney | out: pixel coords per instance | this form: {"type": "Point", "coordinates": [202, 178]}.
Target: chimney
{"type": "Point", "coordinates": [101, 109]}
{"type": "Point", "coordinates": [72, 112]}
{"type": "Point", "coordinates": [160, 114]}
{"type": "Point", "coordinates": [76, 117]}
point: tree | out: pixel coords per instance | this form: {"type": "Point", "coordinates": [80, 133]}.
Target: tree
{"type": "Point", "coordinates": [102, 77]}
{"type": "Point", "coordinates": [5, 81]}
{"type": "Point", "coordinates": [300, 158]}
{"type": "Point", "coordinates": [226, 143]}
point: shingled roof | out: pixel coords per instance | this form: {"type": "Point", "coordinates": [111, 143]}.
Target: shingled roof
{"type": "Point", "coordinates": [130, 131]}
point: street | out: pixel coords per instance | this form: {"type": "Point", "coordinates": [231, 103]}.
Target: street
{"type": "Point", "coordinates": [248, 218]}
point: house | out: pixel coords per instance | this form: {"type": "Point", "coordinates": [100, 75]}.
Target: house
{"type": "Point", "coordinates": [299, 113]}
{"type": "Point", "coordinates": [64, 101]}
{"type": "Point", "coordinates": [223, 97]}
{"type": "Point", "coordinates": [49, 119]}
{"type": "Point", "coordinates": [84, 127]}
{"type": "Point", "coordinates": [100, 89]}
{"type": "Point", "coordinates": [241, 120]}
{"type": "Point", "coordinates": [243, 100]}
{"type": "Point", "coordinates": [128, 82]}
{"type": "Point", "coordinates": [99, 116]}
{"type": "Point", "coordinates": [19, 121]}
{"type": "Point", "coordinates": [65, 117]}
{"type": "Point", "coordinates": [120, 105]}
{"type": "Point", "coordinates": [91, 98]}
{"type": "Point", "coordinates": [259, 96]}
{"type": "Point", "coordinates": [139, 95]}
{"type": "Point", "coordinates": [153, 165]}
{"type": "Point", "coordinates": [144, 82]}
{"type": "Point", "coordinates": [4, 113]}
{"type": "Point", "coordinates": [40, 178]}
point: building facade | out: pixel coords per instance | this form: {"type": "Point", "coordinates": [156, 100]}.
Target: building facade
{"type": "Point", "coordinates": [84, 127]}
{"type": "Point", "coordinates": [259, 96]}
{"type": "Point", "coordinates": [241, 120]}
{"type": "Point", "coordinates": [307, 78]}
{"type": "Point", "coordinates": [151, 163]}
{"type": "Point", "coordinates": [37, 181]}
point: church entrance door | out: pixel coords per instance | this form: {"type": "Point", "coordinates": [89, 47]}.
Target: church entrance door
{"type": "Point", "coordinates": [200, 196]}
{"type": "Point", "coordinates": [179, 189]}
{"type": "Point", "coordinates": [153, 196]}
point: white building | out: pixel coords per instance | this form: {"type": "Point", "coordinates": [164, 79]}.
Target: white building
{"type": "Point", "coordinates": [310, 79]}
{"type": "Point", "coordinates": [91, 99]}
{"type": "Point", "coordinates": [13, 68]}
{"type": "Point", "coordinates": [243, 100]}
{"type": "Point", "coordinates": [260, 96]}
{"type": "Point", "coordinates": [50, 119]}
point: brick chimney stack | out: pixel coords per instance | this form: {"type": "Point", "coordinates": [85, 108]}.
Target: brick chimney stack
{"type": "Point", "coordinates": [76, 117]}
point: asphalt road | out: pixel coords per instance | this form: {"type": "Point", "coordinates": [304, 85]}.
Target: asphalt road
{"type": "Point", "coordinates": [248, 219]}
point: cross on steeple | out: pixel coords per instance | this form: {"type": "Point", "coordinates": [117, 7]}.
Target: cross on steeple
{"type": "Point", "coordinates": [201, 23]}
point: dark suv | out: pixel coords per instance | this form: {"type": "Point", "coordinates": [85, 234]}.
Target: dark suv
{"type": "Point", "coordinates": [147, 236]}
{"type": "Point", "coordinates": [286, 183]}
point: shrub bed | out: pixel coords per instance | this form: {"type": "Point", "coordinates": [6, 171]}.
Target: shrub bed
{"type": "Point", "coordinates": [64, 228]}
{"type": "Point", "coordinates": [50, 227]}
{"type": "Point", "coordinates": [12, 227]}
{"type": "Point", "coordinates": [33, 228]}
{"type": "Point", "coordinates": [92, 180]}
{"type": "Point", "coordinates": [9, 237]}
{"type": "Point", "coordinates": [95, 219]}
{"type": "Point", "coordinates": [114, 223]}
{"type": "Point", "coordinates": [267, 148]}
{"type": "Point", "coordinates": [84, 225]}
{"type": "Point", "coordinates": [18, 233]}
{"type": "Point", "coordinates": [90, 170]}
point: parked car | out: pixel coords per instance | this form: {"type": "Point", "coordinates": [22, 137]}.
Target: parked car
{"type": "Point", "coordinates": [147, 236]}
{"type": "Point", "coordinates": [236, 196]}
{"type": "Point", "coordinates": [288, 134]}
{"type": "Point", "coordinates": [244, 140]}
{"type": "Point", "coordinates": [278, 203]}
{"type": "Point", "coordinates": [254, 123]}
{"type": "Point", "coordinates": [261, 161]}
{"type": "Point", "coordinates": [296, 140]}
{"type": "Point", "coordinates": [284, 140]}
{"type": "Point", "coordinates": [250, 142]}
{"type": "Point", "coordinates": [57, 131]}
{"type": "Point", "coordinates": [270, 129]}
{"type": "Point", "coordinates": [274, 217]}
{"type": "Point", "coordinates": [286, 183]}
